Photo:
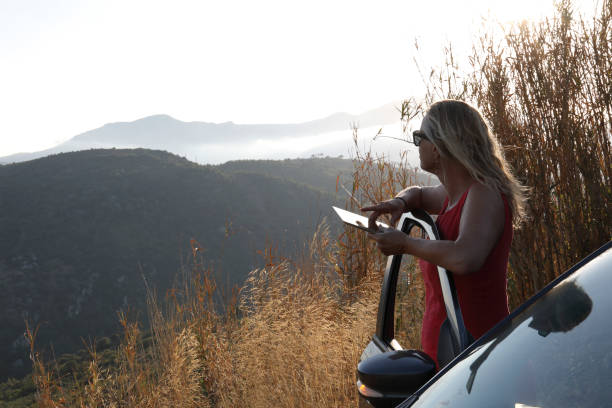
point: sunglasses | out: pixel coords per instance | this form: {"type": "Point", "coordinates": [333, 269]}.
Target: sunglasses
{"type": "Point", "coordinates": [418, 136]}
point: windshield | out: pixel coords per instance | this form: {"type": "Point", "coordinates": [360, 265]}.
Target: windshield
{"type": "Point", "coordinates": [557, 352]}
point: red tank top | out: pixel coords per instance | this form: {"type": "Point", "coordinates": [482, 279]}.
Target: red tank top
{"type": "Point", "coordinates": [482, 294]}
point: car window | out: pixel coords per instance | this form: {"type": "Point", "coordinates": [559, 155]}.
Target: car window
{"type": "Point", "coordinates": [557, 352]}
{"type": "Point", "coordinates": [408, 307]}
{"type": "Point", "coordinates": [409, 300]}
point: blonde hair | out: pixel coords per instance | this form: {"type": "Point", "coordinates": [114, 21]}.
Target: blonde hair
{"type": "Point", "coordinates": [459, 131]}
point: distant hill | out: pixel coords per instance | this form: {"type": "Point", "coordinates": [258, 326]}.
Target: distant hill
{"type": "Point", "coordinates": [320, 173]}
{"type": "Point", "coordinates": [79, 232]}
{"type": "Point", "coordinates": [211, 142]}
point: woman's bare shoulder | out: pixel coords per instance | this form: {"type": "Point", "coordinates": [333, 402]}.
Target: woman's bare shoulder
{"type": "Point", "coordinates": [433, 198]}
{"type": "Point", "coordinates": [483, 201]}
{"type": "Point", "coordinates": [482, 193]}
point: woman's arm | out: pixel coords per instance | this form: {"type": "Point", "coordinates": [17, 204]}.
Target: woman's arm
{"type": "Point", "coordinates": [430, 199]}
{"type": "Point", "coordinates": [482, 223]}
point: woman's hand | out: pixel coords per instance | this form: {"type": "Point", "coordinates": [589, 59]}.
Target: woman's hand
{"type": "Point", "coordinates": [391, 241]}
{"type": "Point", "coordinates": [395, 207]}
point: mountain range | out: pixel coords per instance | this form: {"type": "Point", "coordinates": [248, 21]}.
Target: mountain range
{"type": "Point", "coordinates": [214, 143]}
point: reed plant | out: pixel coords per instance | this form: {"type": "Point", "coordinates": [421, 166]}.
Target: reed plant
{"type": "Point", "coordinates": [547, 91]}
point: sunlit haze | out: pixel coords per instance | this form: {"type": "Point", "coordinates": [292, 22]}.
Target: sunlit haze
{"type": "Point", "coordinates": [70, 66]}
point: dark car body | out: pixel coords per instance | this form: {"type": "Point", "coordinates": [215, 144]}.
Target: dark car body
{"type": "Point", "coordinates": [554, 350]}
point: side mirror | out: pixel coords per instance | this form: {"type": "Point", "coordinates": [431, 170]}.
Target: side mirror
{"type": "Point", "coordinates": [388, 378]}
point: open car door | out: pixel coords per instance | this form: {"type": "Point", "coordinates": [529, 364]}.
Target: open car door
{"type": "Point", "coordinates": [388, 374]}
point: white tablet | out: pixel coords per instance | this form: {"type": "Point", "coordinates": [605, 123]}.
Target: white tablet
{"type": "Point", "coordinates": [357, 220]}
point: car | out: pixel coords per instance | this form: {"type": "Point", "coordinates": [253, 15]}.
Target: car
{"type": "Point", "coordinates": [554, 350]}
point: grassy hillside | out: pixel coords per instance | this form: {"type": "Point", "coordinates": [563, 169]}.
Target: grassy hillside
{"type": "Point", "coordinates": [80, 232]}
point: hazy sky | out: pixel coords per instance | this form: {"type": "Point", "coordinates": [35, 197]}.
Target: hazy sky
{"type": "Point", "coordinates": [70, 66]}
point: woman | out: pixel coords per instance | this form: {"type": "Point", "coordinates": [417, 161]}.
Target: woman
{"type": "Point", "coordinates": [477, 200]}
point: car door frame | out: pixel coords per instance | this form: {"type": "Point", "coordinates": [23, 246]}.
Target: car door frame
{"type": "Point", "coordinates": [383, 340]}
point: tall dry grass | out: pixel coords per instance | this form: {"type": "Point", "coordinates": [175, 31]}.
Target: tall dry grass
{"type": "Point", "coordinates": [293, 334]}
{"type": "Point", "coordinates": [547, 92]}
{"type": "Point", "coordinates": [292, 337]}
{"type": "Point", "coordinates": [299, 337]}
